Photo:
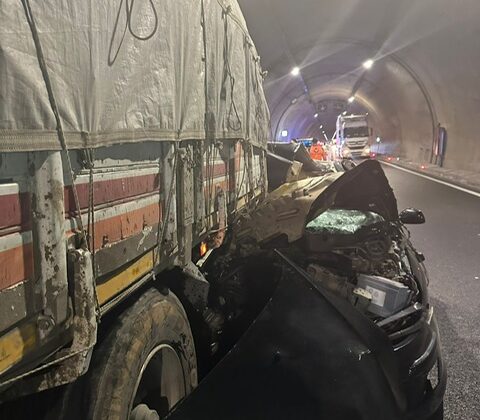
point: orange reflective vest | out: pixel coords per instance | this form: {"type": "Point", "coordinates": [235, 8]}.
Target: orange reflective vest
{"type": "Point", "coordinates": [317, 152]}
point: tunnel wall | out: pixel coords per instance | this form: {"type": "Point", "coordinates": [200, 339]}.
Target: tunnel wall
{"type": "Point", "coordinates": [436, 39]}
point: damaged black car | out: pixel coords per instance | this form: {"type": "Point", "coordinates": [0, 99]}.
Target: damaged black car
{"type": "Point", "coordinates": [319, 309]}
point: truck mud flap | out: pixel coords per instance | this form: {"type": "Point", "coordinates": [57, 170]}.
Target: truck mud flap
{"type": "Point", "coordinates": [308, 355]}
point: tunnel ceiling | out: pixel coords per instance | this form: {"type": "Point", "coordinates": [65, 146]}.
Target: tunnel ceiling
{"type": "Point", "coordinates": [426, 57]}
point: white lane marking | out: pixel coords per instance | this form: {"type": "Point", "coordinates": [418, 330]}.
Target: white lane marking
{"type": "Point", "coordinates": [476, 194]}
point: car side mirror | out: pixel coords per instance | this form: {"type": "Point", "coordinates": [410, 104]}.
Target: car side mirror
{"type": "Point", "coordinates": [412, 216]}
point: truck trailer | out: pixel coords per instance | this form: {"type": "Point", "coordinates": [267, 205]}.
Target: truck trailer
{"type": "Point", "coordinates": [131, 135]}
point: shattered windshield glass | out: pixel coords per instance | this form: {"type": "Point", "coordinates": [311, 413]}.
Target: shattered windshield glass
{"type": "Point", "coordinates": [340, 221]}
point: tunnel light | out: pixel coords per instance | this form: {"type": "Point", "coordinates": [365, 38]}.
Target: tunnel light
{"type": "Point", "coordinates": [422, 167]}
{"type": "Point", "coordinates": [321, 126]}
{"type": "Point", "coordinates": [284, 133]}
{"type": "Point", "coordinates": [294, 101]}
{"type": "Point", "coordinates": [378, 140]}
{"type": "Point", "coordinates": [295, 71]}
{"type": "Point", "coordinates": [315, 115]}
{"type": "Point", "coordinates": [344, 113]}
{"type": "Point", "coordinates": [351, 99]}
{"type": "Point", "coordinates": [368, 64]}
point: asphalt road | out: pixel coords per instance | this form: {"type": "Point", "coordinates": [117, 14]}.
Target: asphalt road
{"type": "Point", "coordinates": [450, 240]}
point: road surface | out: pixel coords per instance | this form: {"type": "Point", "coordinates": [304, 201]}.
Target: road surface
{"type": "Point", "coordinates": [450, 240]}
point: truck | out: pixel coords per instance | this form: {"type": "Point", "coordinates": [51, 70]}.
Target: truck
{"type": "Point", "coordinates": [148, 269]}
{"type": "Point", "coordinates": [131, 135]}
{"type": "Point", "coordinates": [354, 136]}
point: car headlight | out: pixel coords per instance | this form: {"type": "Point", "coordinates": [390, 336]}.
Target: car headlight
{"type": "Point", "coordinates": [366, 150]}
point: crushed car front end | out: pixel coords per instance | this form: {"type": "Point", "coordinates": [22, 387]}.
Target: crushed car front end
{"type": "Point", "coordinates": [330, 299]}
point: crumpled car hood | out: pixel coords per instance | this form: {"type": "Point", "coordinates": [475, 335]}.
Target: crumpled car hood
{"type": "Point", "coordinates": [309, 355]}
{"type": "Point", "coordinates": [285, 212]}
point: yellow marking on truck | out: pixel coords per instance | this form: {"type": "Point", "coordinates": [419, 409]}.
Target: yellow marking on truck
{"type": "Point", "coordinates": [121, 281]}
{"type": "Point", "coordinates": [15, 344]}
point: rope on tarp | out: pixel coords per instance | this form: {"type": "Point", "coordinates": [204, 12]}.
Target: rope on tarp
{"type": "Point", "coordinates": [53, 105]}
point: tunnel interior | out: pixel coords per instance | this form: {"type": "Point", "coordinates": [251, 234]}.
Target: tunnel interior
{"type": "Point", "coordinates": [422, 74]}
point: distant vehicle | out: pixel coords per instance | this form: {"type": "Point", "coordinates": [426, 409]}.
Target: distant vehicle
{"type": "Point", "coordinates": [307, 142]}
{"type": "Point", "coordinates": [354, 136]}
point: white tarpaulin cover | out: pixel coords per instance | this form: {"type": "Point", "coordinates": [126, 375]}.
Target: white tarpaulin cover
{"type": "Point", "coordinates": [129, 70]}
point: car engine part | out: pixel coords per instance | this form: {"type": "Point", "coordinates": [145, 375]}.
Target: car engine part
{"type": "Point", "coordinates": [360, 257]}
{"type": "Point", "coordinates": [388, 296]}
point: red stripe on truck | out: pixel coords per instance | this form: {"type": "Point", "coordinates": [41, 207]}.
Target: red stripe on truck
{"type": "Point", "coordinates": [15, 211]}
{"type": "Point", "coordinates": [125, 225]}
{"type": "Point", "coordinates": [111, 190]}
{"type": "Point", "coordinates": [16, 265]}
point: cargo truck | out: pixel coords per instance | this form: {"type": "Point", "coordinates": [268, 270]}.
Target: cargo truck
{"type": "Point", "coordinates": [354, 136]}
{"type": "Point", "coordinates": [131, 134]}
{"type": "Point", "coordinates": [142, 249]}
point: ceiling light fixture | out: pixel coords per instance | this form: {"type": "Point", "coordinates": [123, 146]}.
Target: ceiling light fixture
{"type": "Point", "coordinates": [351, 99]}
{"type": "Point", "coordinates": [368, 64]}
{"type": "Point", "coordinates": [295, 71]}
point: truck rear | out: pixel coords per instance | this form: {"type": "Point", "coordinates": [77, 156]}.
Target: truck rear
{"type": "Point", "coordinates": [130, 137]}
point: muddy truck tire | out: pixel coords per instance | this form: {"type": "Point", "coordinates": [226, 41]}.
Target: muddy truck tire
{"type": "Point", "coordinates": [142, 368]}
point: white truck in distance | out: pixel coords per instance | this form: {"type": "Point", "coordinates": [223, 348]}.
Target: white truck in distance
{"type": "Point", "coordinates": [353, 136]}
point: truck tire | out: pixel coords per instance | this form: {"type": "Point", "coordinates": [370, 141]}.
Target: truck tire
{"type": "Point", "coordinates": [145, 364]}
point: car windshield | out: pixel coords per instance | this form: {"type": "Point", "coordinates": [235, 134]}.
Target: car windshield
{"type": "Point", "coordinates": [340, 221]}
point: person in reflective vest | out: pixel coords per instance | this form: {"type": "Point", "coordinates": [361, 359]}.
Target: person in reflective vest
{"type": "Point", "coordinates": [316, 151]}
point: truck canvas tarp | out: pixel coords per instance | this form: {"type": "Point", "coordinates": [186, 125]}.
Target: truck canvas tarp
{"type": "Point", "coordinates": [124, 71]}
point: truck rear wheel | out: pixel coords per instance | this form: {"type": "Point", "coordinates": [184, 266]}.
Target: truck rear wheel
{"type": "Point", "coordinates": [144, 365]}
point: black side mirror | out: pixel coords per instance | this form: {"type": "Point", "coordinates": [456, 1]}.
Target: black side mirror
{"type": "Point", "coordinates": [412, 216]}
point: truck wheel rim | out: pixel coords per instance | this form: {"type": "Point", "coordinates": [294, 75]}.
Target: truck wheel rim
{"type": "Point", "coordinates": [160, 384]}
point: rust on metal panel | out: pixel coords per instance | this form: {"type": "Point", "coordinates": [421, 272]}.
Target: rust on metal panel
{"type": "Point", "coordinates": [118, 254]}
{"type": "Point", "coordinates": [186, 208]}
{"type": "Point", "coordinates": [84, 326]}
{"type": "Point", "coordinates": [48, 230]}
{"type": "Point", "coordinates": [121, 221]}
{"type": "Point", "coordinates": [125, 225]}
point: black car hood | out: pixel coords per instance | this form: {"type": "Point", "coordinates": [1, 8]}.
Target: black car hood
{"type": "Point", "coordinates": [308, 355]}
{"type": "Point", "coordinates": [365, 187]}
